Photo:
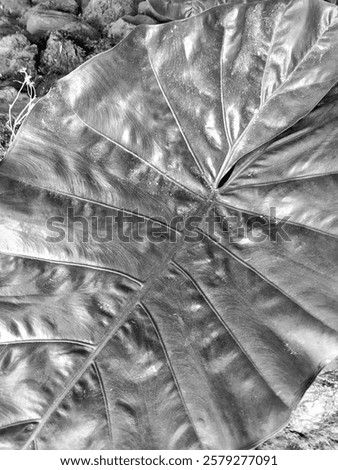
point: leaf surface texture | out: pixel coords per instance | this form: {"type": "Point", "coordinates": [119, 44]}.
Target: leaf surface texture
{"type": "Point", "coordinates": [183, 344]}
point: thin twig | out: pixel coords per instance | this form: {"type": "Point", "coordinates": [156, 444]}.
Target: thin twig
{"type": "Point", "coordinates": [13, 122]}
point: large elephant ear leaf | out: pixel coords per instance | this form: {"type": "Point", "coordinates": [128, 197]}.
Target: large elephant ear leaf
{"type": "Point", "coordinates": [169, 225]}
{"type": "Point", "coordinates": [178, 9]}
{"type": "Point", "coordinates": [167, 10]}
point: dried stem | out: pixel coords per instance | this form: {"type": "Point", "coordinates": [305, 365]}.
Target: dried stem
{"type": "Point", "coordinates": [14, 122]}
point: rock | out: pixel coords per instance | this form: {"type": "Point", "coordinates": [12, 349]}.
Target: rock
{"type": "Point", "coordinates": [42, 22]}
{"type": "Point", "coordinates": [8, 26]}
{"type": "Point", "coordinates": [144, 8]}
{"type": "Point", "coordinates": [102, 13]}
{"type": "Point", "coordinates": [7, 97]}
{"type": "Point", "coordinates": [68, 6]}
{"type": "Point", "coordinates": [119, 30]}
{"type": "Point", "coordinates": [44, 83]}
{"type": "Point", "coordinates": [314, 422]}
{"type": "Point", "coordinates": [318, 404]}
{"type": "Point", "coordinates": [83, 4]}
{"type": "Point", "coordinates": [5, 135]}
{"type": "Point", "coordinates": [16, 102]}
{"type": "Point", "coordinates": [139, 19]}
{"type": "Point", "coordinates": [15, 7]}
{"type": "Point", "coordinates": [80, 31]}
{"type": "Point", "coordinates": [16, 53]}
{"type": "Point", "coordinates": [61, 55]}
{"type": "Point", "coordinates": [96, 47]}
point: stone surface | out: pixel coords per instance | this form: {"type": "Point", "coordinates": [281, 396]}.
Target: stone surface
{"type": "Point", "coordinates": [42, 22]}
{"type": "Point", "coordinates": [4, 135]}
{"type": "Point", "coordinates": [15, 7]}
{"type": "Point", "coordinates": [16, 53]}
{"type": "Point", "coordinates": [61, 55]}
{"type": "Point", "coordinates": [119, 30]}
{"type": "Point", "coordinates": [139, 19]}
{"type": "Point", "coordinates": [83, 4]}
{"type": "Point", "coordinates": [145, 9]}
{"type": "Point", "coordinates": [68, 6]}
{"type": "Point", "coordinates": [8, 26]}
{"type": "Point", "coordinates": [104, 44]}
{"type": "Point", "coordinates": [102, 13]}
{"type": "Point", "coordinates": [8, 95]}
{"type": "Point", "coordinates": [314, 423]}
